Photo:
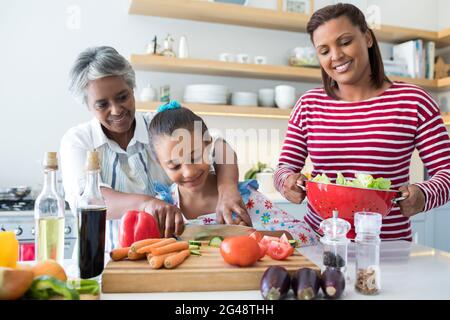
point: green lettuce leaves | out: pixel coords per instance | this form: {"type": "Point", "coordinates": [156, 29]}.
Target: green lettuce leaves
{"type": "Point", "coordinates": [361, 180]}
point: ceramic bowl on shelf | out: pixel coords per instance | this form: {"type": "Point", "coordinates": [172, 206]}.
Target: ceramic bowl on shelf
{"type": "Point", "coordinates": [206, 93]}
{"type": "Point", "coordinates": [244, 99]}
{"type": "Point", "coordinates": [266, 97]}
{"type": "Point", "coordinates": [285, 96]}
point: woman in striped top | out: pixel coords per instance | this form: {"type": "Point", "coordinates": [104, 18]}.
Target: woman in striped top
{"type": "Point", "coordinates": [361, 122]}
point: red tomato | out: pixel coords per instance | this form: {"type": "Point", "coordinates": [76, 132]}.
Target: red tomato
{"type": "Point", "coordinates": [267, 240]}
{"type": "Point", "coordinates": [240, 251]}
{"type": "Point", "coordinates": [284, 239]}
{"type": "Point", "coordinates": [279, 250]}
{"type": "Point", "coordinates": [256, 235]}
{"type": "Point", "coordinates": [262, 250]}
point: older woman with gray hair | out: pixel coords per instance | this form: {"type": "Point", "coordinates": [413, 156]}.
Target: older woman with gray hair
{"type": "Point", "coordinates": [104, 81]}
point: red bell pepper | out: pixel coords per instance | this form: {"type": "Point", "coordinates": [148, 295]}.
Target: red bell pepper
{"type": "Point", "coordinates": [137, 225]}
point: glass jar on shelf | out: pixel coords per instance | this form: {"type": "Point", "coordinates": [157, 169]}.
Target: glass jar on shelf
{"type": "Point", "coordinates": [335, 242]}
{"type": "Point", "coordinates": [368, 228]}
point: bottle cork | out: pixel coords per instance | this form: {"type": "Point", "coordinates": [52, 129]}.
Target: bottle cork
{"type": "Point", "coordinates": [50, 161]}
{"type": "Point", "coordinates": [92, 161]}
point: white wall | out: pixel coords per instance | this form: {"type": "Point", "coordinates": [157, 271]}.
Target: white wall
{"type": "Point", "coordinates": [39, 45]}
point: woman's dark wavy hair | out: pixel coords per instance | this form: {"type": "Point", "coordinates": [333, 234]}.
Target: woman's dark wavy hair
{"type": "Point", "coordinates": [356, 17]}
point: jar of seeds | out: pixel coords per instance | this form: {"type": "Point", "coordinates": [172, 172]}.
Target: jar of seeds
{"type": "Point", "coordinates": [368, 228]}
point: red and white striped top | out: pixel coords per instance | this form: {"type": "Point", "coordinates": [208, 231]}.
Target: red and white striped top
{"type": "Point", "coordinates": [375, 136]}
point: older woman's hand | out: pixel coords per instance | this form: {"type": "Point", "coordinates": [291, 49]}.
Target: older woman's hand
{"type": "Point", "coordinates": [230, 201]}
{"type": "Point", "coordinates": [169, 217]}
{"type": "Point", "coordinates": [414, 202]}
{"type": "Point", "coordinates": [291, 189]}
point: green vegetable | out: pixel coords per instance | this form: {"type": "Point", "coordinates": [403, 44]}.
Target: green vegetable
{"type": "Point", "coordinates": [196, 252]}
{"type": "Point", "coordinates": [257, 168]}
{"type": "Point", "coordinates": [83, 286]}
{"type": "Point", "coordinates": [362, 181]}
{"type": "Point", "coordinates": [293, 243]}
{"type": "Point", "coordinates": [321, 179]}
{"type": "Point", "coordinates": [195, 243]}
{"type": "Point", "coordinates": [45, 287]}
{"type": "Point", "coordinates": [215, 241]}
{"type": "Point", "coordinates": [193, 247]}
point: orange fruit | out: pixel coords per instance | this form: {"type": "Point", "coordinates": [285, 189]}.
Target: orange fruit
{"type": "Point", "coordinates": [49, 268]}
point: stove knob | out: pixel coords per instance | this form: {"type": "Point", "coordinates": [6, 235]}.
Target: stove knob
{"type": "Point", "coordinates": [32, 231]}
{"type": "Point", "coordinates": [67, 230]}
{"type": "Point", "coordinates": [18, 231]}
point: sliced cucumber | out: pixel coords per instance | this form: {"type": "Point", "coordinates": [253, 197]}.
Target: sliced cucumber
{"type": "Point", "coordinates": [194, 247]}
{"type": "Point", "coordinates": [195, 243]}
{"type": "Point", "coordinates": [293, 243]}
{"type": "Point", "coordinates": [215, 241]}
{"type": "Point", "coordinates": [195, 252]}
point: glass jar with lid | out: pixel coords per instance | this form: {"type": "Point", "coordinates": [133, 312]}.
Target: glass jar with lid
{"type": "Point", "coordinates": [368, 228]}
{"type": "Point", "coordinates": [335, 242]}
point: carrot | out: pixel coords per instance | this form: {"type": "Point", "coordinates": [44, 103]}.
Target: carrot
{"type": "Point", "coordinates": [142, 243]}
{"type": "Point", "coordinates": [157, 262]}
{"type": "Point", "coordinates": [119, 253]}
{"type": "Point", "coordinates": [176, 259]}
{"type": "Point", "coordinates": [135, 256]}
{"type": "Point", "coordinates": [177, 246]}
{"type": "Point", "coordinates": [163, 242]}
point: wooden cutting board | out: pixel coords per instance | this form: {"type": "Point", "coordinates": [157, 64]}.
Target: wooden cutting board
{"type": "Point", "coordinates": [207, 272]}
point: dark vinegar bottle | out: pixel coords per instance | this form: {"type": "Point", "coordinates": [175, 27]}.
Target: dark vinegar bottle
{"type": "Point", "coordinates": [91, 210]}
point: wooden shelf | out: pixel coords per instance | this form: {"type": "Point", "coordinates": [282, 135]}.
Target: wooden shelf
{"type": "Point", "coordinates": [220, 13]}
{"type": "Point", "coordinates": [236, 111]}
{"type": "Point", "coordinates": [219, 68]}
{"type": "Point", "coordinates": [202, 10]}
{"type": "Point", "coordinates": [224, 110]}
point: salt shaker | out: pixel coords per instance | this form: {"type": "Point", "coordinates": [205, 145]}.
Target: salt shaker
{"type": "Point", "coordinates": [335, 242]}
{"type": "Point", "coordinates": [368, 228]}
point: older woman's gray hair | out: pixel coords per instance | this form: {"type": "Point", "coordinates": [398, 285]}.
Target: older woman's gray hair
{"type": "Point", "coordinates": [96, 63]}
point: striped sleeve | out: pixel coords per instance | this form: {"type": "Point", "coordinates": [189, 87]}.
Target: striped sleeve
{"type": "Point", "coordinates": [433, 143]}
{"type": "Point", "coordinates": [294, 150]}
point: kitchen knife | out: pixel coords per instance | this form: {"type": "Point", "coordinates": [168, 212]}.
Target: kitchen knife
{"type": "Point", "coordinates": [206, 232]}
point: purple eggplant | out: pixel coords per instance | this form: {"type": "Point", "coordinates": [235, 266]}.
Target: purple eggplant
{"type": "Point", "coordinates": [332, 283]}
{"type": "Point", "coordinates": [306, 284]}
{"type": "Point", "coordinates": [275, 283]}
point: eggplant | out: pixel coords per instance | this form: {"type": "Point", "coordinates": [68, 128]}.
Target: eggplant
{"type": "Point", "coordinates": [332, 283]}
{"type": "Point", "coordinates": [306, 284]}
{"type": "Point", "coordinates": [275, 283]}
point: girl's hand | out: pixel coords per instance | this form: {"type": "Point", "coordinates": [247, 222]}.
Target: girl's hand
{"type": "Point", "coordinates": [230, 201]}
{"type": "Point", "coordinates": [169, 217]}
{"type": "Point", "coordinates": [291, 190]}
{"type": "Point", "coordinates": [414, 202]}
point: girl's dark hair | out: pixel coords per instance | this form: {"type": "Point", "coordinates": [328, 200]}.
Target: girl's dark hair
{"type": "Point", "coordinates": [166, 122]}
{"type": "Point", "coordinates": [356, 17]}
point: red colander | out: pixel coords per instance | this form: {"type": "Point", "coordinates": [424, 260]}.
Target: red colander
{"type": "Point", "coordinates": [325, 198]}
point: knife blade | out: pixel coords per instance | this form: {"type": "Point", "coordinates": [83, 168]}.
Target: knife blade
{"type": "Point", "coordinates": [206, 232]}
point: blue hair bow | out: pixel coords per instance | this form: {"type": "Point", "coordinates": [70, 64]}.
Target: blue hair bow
{"type": "Point", "coordinates": [172, 105]}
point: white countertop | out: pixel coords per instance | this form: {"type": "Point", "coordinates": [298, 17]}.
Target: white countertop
{"type": "Point", "coordinates": [408, 271]}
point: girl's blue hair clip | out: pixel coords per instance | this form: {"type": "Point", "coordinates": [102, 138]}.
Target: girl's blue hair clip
{"type": "Point", "coordinates": [172, 105]}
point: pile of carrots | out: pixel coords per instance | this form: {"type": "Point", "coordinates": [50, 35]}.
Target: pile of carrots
{"type": "Point", "coordinates": [166, 252]}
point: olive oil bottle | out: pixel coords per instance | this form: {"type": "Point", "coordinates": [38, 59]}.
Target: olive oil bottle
{"type": "Point", "coordinates": [49, 215]}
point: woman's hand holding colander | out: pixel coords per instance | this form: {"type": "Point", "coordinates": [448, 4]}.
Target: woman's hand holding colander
{"type": "Point", "coordinates": [293, 188]}
{"type": "Point", "coordinates": [414, 202]}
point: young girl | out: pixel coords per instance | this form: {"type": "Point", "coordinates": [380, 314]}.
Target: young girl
{"type": "Point", "coordinates": [186, 159]}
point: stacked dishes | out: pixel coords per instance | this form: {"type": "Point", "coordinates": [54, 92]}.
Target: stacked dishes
{"type": "Point", "coordinates": [244, 99]}
{"type": "Point", "coordinates": [206, 93]}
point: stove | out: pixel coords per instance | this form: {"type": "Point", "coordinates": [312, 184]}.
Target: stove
{"type": "Point", "coordinates": [18, 216]}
